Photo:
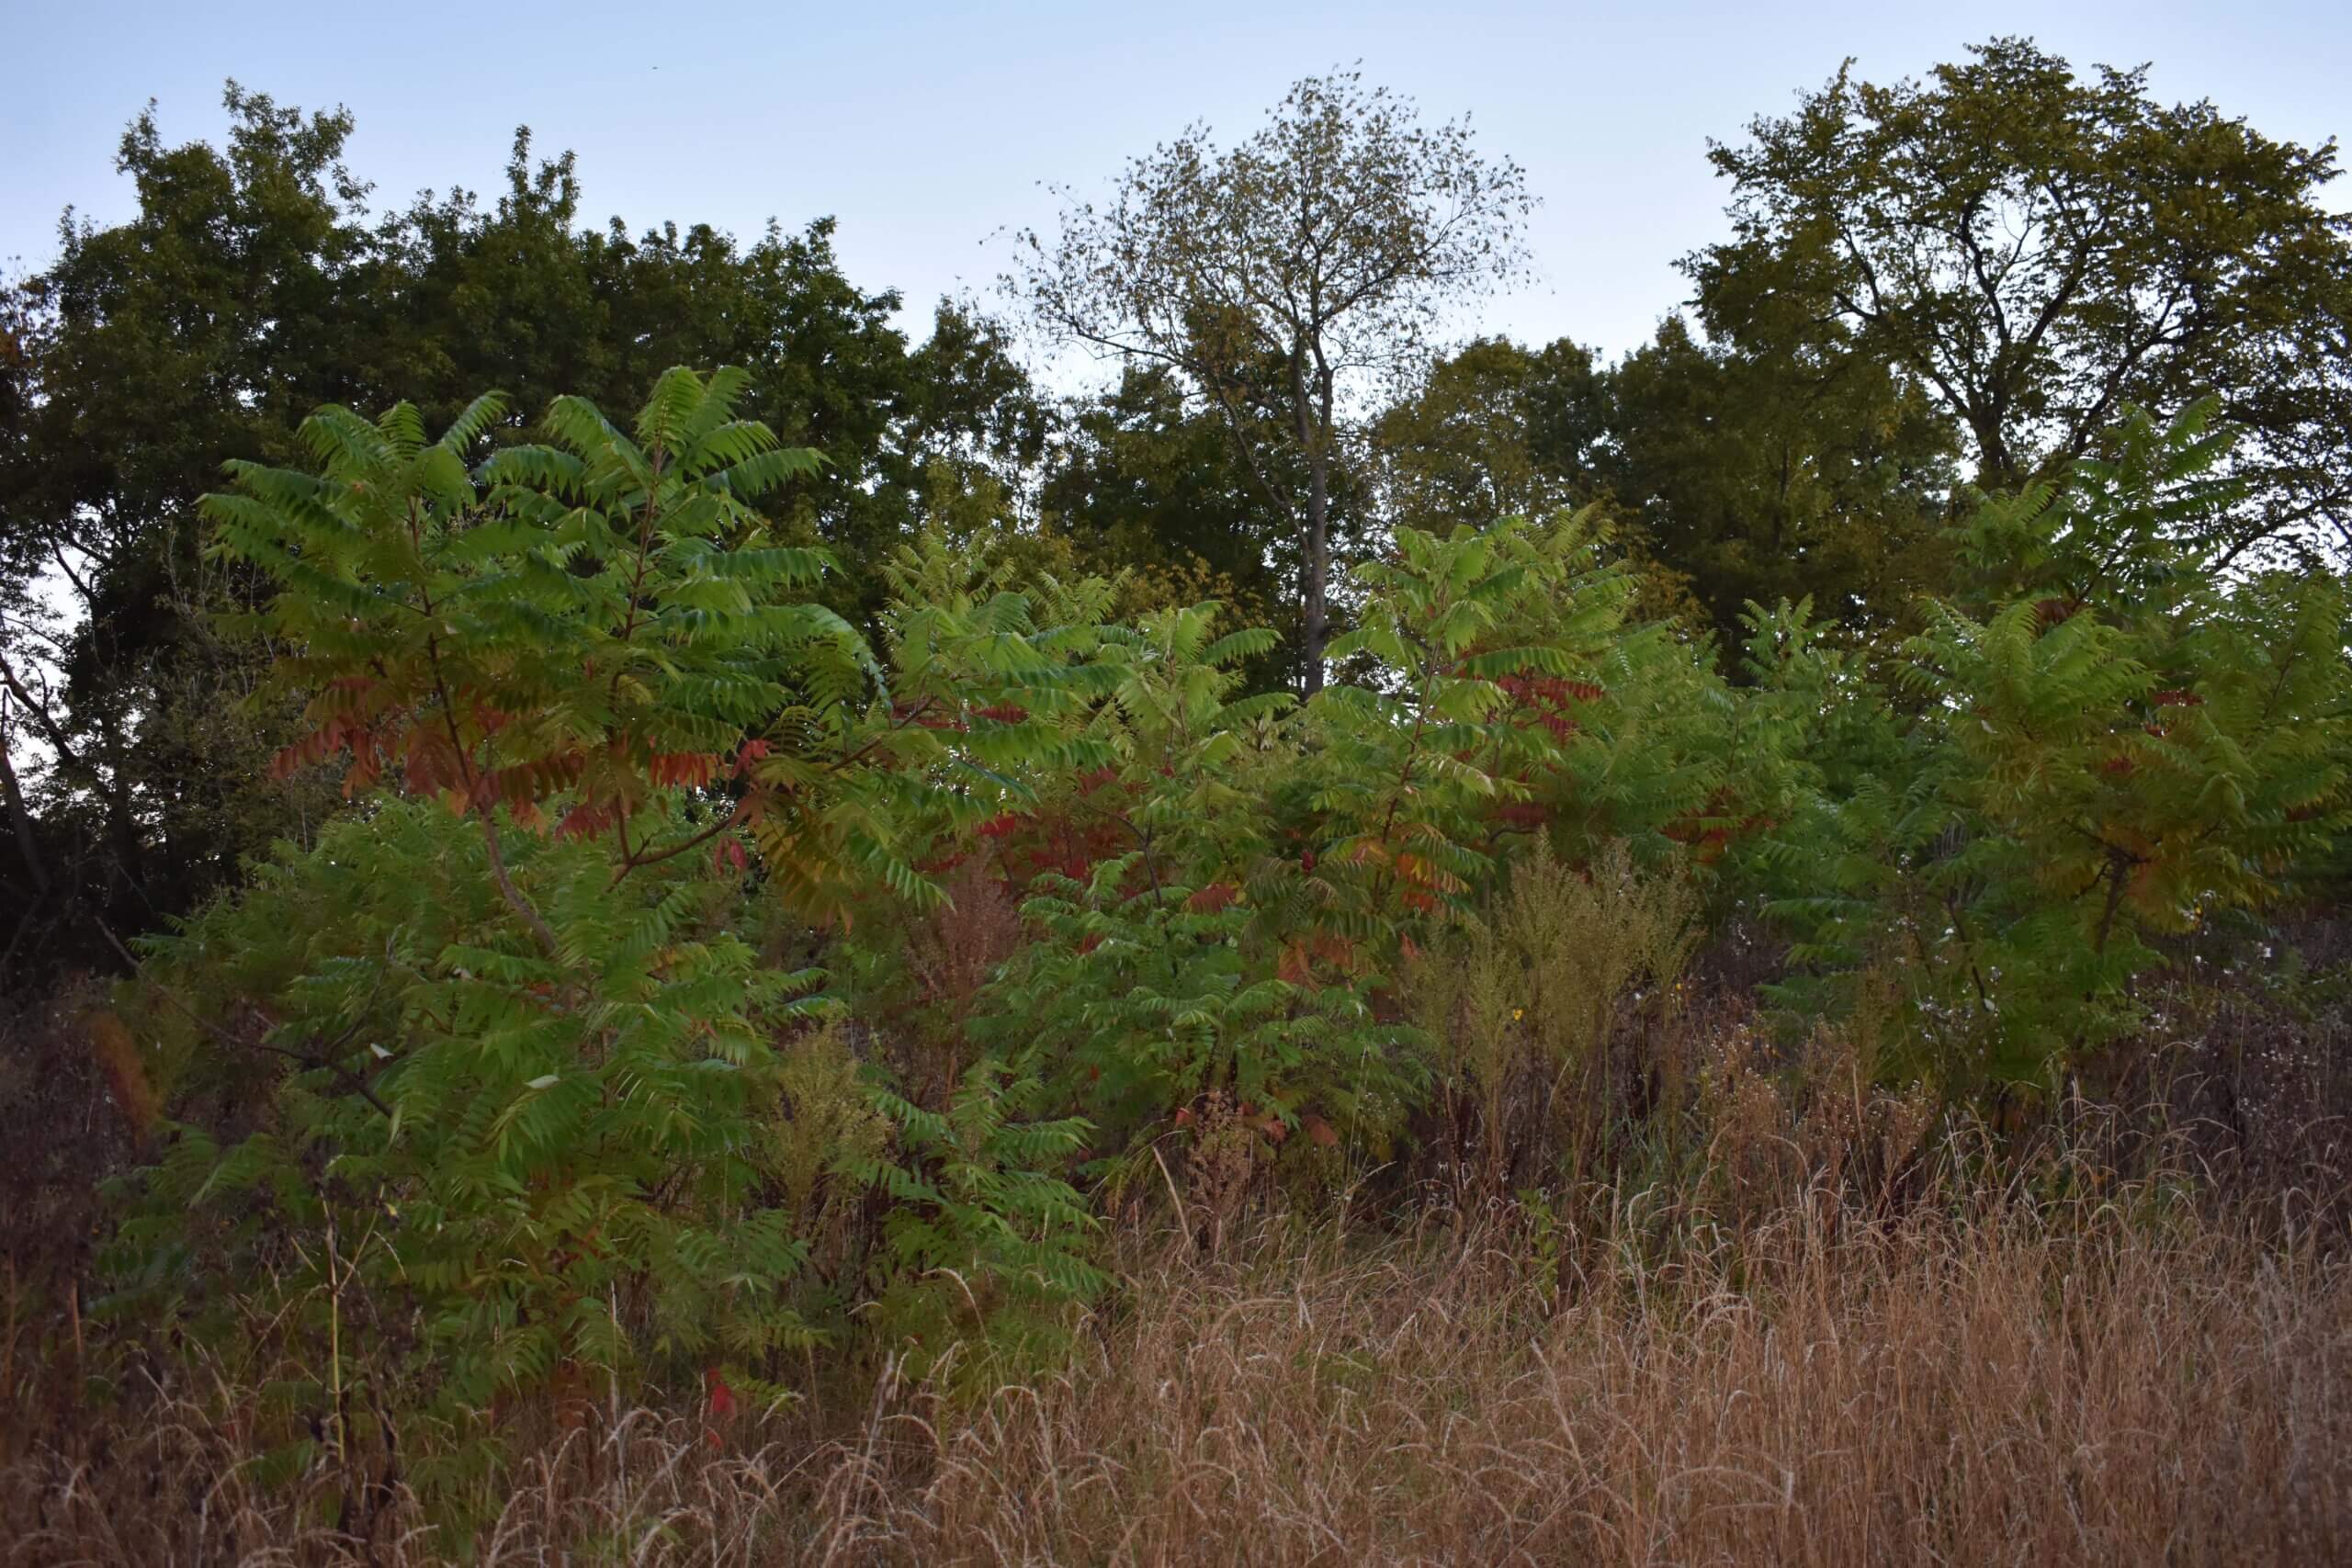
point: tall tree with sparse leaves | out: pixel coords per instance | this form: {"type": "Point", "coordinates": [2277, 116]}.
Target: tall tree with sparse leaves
{"type": "Point", "coordinates": [1284, 277]}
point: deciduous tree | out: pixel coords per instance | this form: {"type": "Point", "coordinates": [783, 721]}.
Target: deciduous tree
{"type": "Point", "coordinates": [1283, 277]}
{"type": "Point", "coordinates": [2041, 249]}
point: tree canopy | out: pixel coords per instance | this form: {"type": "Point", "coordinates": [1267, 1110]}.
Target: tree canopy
{"type": "Point", "coordinates": [2038, 249]}
{"type": "Point", "coordinates": [254, 283]}
{"type": "Point", "coordinates": [1285, 278]}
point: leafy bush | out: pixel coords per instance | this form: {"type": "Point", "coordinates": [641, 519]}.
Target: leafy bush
{"type": "Point", "coordinates": [696, 985]}
{"type": "Point", "coordinates": [470, 1116]}
{"type": "Point", "coordinates": [474, 1172]}
{"type": "Point", "coordinates": [2110, 740]}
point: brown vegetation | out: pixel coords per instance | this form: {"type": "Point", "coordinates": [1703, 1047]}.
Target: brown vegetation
{"type": "Point", "coordinates": [1808, 1327]}
{"type": "Point", "coordinates": [2096, 1379]}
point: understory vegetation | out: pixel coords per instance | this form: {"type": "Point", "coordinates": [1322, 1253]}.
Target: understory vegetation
{"type": "Point", "coordinates": [1993, 1383]}
{"type": "Point", "coordinates": [950, 1040]}
{"type": "Point", "coordinates": [704, 999]}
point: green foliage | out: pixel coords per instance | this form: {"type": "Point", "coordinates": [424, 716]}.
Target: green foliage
{"type": "Point", "coordinates": [483, 1115]}
{"type": "Point", "coordinates": [472, 1170]}
{"type": "Point", "coordinates": [1779, 469]}
{"type": "Point", "coordinates": [2036, 249]}
{"type": "Point", "coordinates": [1498, 431]}
{"type": "Point", "coordinates": [1146, 482]}
{"type": "Point", "coordinates": [1221, 910]}
{"type": "Point", "coordinates": [981, 1238]}
{"type": "Point", "coordinates": [1771, 469]}
{"type": "Point", "coordinates": [989, 705]}
{"type": "Point", "coordinates": [1515, 693]}
{"type": "Point", "coordinates": [598, 616]}
{"type": "Point", "coordinates": [249, 285]}
{"type": "Point", "coordinates": [1149, 1002]}
{"type": "Point", "coordinates": [2112, 742]}
{"type": "Point", "coordinates": [1467, 635]}
{"type": "Point", "coordinates": [1152, 982]}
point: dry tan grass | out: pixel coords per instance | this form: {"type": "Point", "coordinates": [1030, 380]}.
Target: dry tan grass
{"type": "Point", "coordinates": [2009, 1386]}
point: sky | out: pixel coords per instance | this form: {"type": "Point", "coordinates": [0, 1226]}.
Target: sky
{"type": "Point", "coordinates": [925, 129]}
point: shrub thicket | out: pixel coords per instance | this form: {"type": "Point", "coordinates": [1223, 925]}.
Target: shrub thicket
{"type": "Point", "coordinates": [702, 994]}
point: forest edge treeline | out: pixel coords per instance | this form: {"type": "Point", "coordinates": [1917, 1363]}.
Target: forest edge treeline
{"type": "Point", "coordinates": [764, 881]}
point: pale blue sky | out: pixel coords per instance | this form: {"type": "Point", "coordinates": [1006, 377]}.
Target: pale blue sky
{"type": "Point", "coordinates": [923, 128]}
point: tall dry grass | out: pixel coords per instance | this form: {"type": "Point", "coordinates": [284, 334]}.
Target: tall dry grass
{"type": "Point", "coordinates": [2109, 1380]}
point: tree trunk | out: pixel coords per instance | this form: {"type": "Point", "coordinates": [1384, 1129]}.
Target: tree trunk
{"type": "Point", "coordinates": [115, 791]}
{"type": "Point", "coordinates": [127, 875]}
{"type": "Point", "coordinates": [27, 841]}
{"type": "Point", "coordinates": [1317, 628]}
{"type": "Point", "coordinates": [1314, 412]}
{"type": "Point", "coordinates": [1998, 468]}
